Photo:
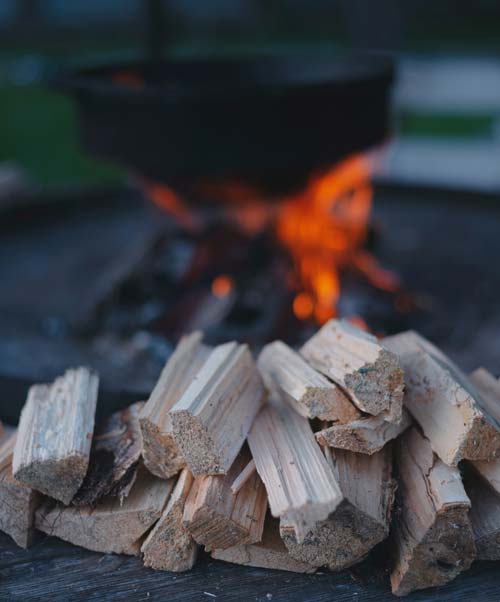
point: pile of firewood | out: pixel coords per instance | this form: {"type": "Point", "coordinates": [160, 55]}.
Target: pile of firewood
{"type": "Point", "coordinates": [286, 463]}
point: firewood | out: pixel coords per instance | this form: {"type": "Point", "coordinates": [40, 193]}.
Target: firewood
{"type": "Point", "coordinates": [359, 523]}
{"type": "Point", "coordinates": [17, 501]}
{"type": "Point", "coordinates": [310, 393]}
{"type": "Point", "coordinates": [111, 526]}
{"type": "Point", "coordinates": [270, 553]}
{"type": "Point", "coordinates": [449, 408]}
{"type": "Point", "coordinates": [114, 457]}
{"type": "Point", "coordinates": [355, 360]}
{"type": "Point", "coordinates": [169, 546]}
{"type": "Point", "coordinates": [211, 420]}
{"type": "Point", "coordinates": [54, 438]}
{"type": "Point", "coordinates": [300, 485]}
{"type": "Point", "coordinates": [243, 477]}
{"type": "Point", "coordinates": [484, 516]}
{"type": "Point", "coordinates": [160, 452]}
{"type": "Point", "coordinates": [217, 518]}
{"type": "Point", "coordinates": [433, 538]}
{"type": "Point", "coordinates": [365, 436]}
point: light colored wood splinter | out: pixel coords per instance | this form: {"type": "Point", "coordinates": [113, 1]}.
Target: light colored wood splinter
{"type": "Point", "coordinates": [169, 546]}
{"type": "Point", "coordinates": [356, 361]}
{"type": "Point", "coordinates": [160, 452]}
{"type": "Point", "coordinates": [359, 523]}
{"type": "Point", "coordinates": [17, 501]}
{"type": "Point", "coordinates": [111, 526]}
{"type": "Point", "coordinates": [458, 421]}
{"type": "Point", "coordinates": [365, 436]}
{"type": "Point", "coordinates": [217, 518]}
{"type": "Point", "coordinates": [53, 442]}
{"type": "Point", "coordinates": [270, 553]}
{"type": "Point", "coordinates": [212, 419]}
{"type": "Point", "coordinates": [243, 477]}
{"type": "Point", "coordinates": [300, 484]}
{"type": "Point", "coordinates": [433, 538]}
{"type": "Point", "coordinates": [310, 393]}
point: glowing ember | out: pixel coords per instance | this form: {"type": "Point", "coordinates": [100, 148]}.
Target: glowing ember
{"type": "Point", "coordinates": [222, 286]}
{"type": "Point", "coordinates": [166, 198]}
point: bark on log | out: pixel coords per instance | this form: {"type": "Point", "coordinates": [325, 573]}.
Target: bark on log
{"type": "Point", "coordinates": [449, 408]}
{"type": "Point", "coordinates": [53, 442]}
{"type": "Point", "coordinates": [160, 452]}
{"type": "Point", "coordinates": [109, 527]}
{"type": "Point", "coordinates": [356, 361]}
{"type": "Point", "coordinates": [212, 419]}
{"type": "Point", "coordinates": [310, 393]}
{"type": "Point", "coordinates": [433, 539]}
{"type": "Point", "coordinates": [169, 546]}
{"type": "Point", "coordinates": [217, 518]}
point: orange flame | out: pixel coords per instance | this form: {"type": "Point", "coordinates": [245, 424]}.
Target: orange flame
{"type": "Point", "coordinates": [323, 228]}
{"type": "Point", "coordinates": [166, 198]}
{"type": "Point", "coordinates": [222, 286]}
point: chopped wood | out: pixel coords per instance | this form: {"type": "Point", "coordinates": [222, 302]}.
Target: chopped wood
{"type": "Point", "coordinates": [169, 546]}
{"type": "Point", "coordinates": [111, 526]}
{"type": "Point", "coordinates": [17, 501]}
{"type": "Point", "coordinates": [310, 393]}
{"type": "Point", "coordinates": [218, 519]}
{"type": "Point", "coordinates": [300, 484]}
{"type": "Point", "coordinates": [359, 523]}
{"type": "Point", "coordinates": [365, 436]}
{"type": "Point", "coordinates": [453, 415]}
{"type": "Point", "coordinates": [160, 452]}
{"type": "Point", "coordinates": [433, 537]}
{"type": "Point", "coordinates": [54, 438]}
{"type": "Point", "coordinates": [114, 457]}
{"type": "Point", "coordinates": [243, 477]}
{"type": "Point", "coordinates": [270, 553]}
{"type": "Point", "coordinates": [355, 360]}
{"type": "Point", "coordinates": [211, 420]}
{"type": "Point", "coordinates": [484, 516]}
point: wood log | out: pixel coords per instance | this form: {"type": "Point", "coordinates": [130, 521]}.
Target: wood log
{"type": "Point", "coordinates": [17, 501]}
{"type": "Point", "coordinates": [111, 526]}
{"type": "Point", "coordinates": [114, 457]}
{"type": "Point", "coordinates": [359, 523]}
{"type": "Point", "coordinates": [310, 393]}
{"type": "Point", "coordinates": [449, 408]}
{"type": "Point", "coordinates": [169, 546]}
{"type": "Point", "coordinates": [365, 436]}
{"type": "Point", "coordinates": [54, 438]}
{"type": "Point", "coordinates": [355, 360]}
{"type": "Point", "coordinates": [243, 477]}
{"type": "Point", "coordinates": [160, 452]}
{"type": "Point", "coordinates": [300, 484]}
{"type": "Point", "coordinates": [433, 539]}
{"type": "Point", "coordinates": [270, 553]}
{"type": "Point", "coordinates": [218, 519]}
{"type": "Point", "coordinates": [212, 419]}
{"type": "Point", "coordinates": [484, 516]}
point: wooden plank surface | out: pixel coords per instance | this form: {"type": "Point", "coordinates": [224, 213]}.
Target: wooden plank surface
{"type": "Point", "coordinates": [58, 571]}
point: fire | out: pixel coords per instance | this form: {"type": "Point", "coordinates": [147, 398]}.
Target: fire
{"type": "Point", "coordinates": [324, 229]}
{"type": "Point", "coordinates": [222, 286]}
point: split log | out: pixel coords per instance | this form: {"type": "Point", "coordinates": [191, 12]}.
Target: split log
{"type": "Point", "coordinates": [243, 477]}
{"type": "Point", "coordinates": [300, 485]}
{"type": "Point", "coordinates": [212, 419]}
{"type": "Point", "coordinates": [218, 519]}
{"type": "Point", "coordinates": [17, 501]}
{"type": "Point", "coordinates": [54, 438]}
{"type": "Point", "coordinates": [270, 553]}
{"type": "Point", "coordinates": [359, 523]}
{"type": "Point", "coordinates": [365, 436]}
{"type": "Point", "coordinates": [114, 457]}
{"type": "Point", "coordinates": [169, 546]}
{"type": "Point", "coordinates": [484, 516]}
{"type": "Point", "coordinates": [111, 526]}
{"type": "Point", "coordinates": [433, 538]}
{"type": "Point", "coordinates": [449, 408]}
{"type": "Point", "coordinates": [310, 393]}
{"type": "Point", "coordinates": [355, 360]}
{"type": "Point", "coordinates": [160, 453]}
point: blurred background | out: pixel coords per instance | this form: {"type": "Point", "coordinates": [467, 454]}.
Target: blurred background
{"type": "Point", "coordinates": [446, 101]}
